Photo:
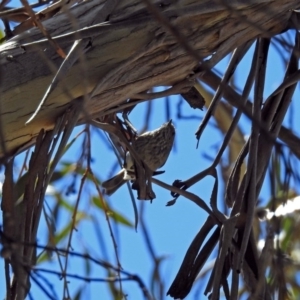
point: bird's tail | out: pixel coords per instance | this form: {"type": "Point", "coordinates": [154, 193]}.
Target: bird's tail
{"type": "Point", "coordinates": [112, 184]}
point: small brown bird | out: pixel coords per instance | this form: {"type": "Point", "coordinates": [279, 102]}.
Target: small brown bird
{"type": "Point", "coordinates": [153, 147]}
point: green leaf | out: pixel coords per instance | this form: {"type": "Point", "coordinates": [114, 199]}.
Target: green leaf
{"type": "Point", "coordinates": [116, 216]}
{"type": "Point", "coordinates": [66, 230]}
{"type": "Point", "coordinates": [57, 175]}
{"type": "Point", "coordinates": [63, 203]}
{"type": "Point", "coordinates": [2, 36]}
{"type": "Point", "coordinates": [121, 219]}
{"type": "Point", "coordinates": [87, 264]}
{"type": "Point", "coordinates": [77, 296]}
{"type": "Point", "coordinates": [20, 186]}
{"type": "Point", "coordinates": [42, 257]}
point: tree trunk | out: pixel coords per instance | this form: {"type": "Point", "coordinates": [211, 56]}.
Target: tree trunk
{"type": "Point", "coordinates": [129, 54]}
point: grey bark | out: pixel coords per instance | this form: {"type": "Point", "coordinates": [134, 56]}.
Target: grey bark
{"type": "Point", "coordinates": [130, 54]}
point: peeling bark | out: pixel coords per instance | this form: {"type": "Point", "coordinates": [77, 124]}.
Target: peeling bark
{"type": "Point", "coordinates": [130, 54]}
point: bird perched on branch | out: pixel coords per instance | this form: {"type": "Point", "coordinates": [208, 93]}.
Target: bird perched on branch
{"type": "Point", "coordinates": [153, 148]}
